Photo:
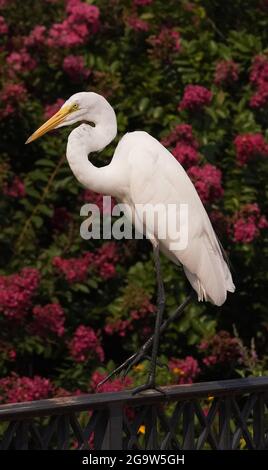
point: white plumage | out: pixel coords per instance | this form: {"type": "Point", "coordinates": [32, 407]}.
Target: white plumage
{"type": "Point", "coordinates": [143, 171]}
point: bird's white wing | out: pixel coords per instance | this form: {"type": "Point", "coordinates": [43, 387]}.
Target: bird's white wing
{"type": "Point", "coordinates": [157, 179]}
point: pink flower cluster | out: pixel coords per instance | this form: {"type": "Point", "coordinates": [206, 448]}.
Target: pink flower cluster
{"type": "Point", "coordinates": [166, 43]}
{"type": "Point", "coordinates": [195, 98]}
{"type": "Point", "coordinates": [74, 269]}
{"type": "Point", "coordinates": [136, 23]}
{"type": "Point", "coordinates": [74, 66]}
{"type": "Point", "coordinates": [186, 155]}
{"type": "Point", "coordinates": [105, 259]}
{"type": "Point", "coordinates": [96, 198]}
{"type": "Point", "coordinates": [51, 109]}
{"type": "Point", "coordinates": [226, 72]}
{"type": "Point", "coordinates": [37, 37]}
{"type": "Point", "coordinates": [250, 147]}
{"type": "Point", "coordinates": [221, 348]}
{"type": "Point", "coordinates": [11, 96]}
{"type": "Point", "coordinates": [207, 181]}
{"type": "Point", "coordinates": [181, 133]}
{"type": "Point", "coordinates": [82, 21]}
{"type": "Point", "coordinates": [85, 344]}
{"type": "Point", "coordinates": [14, 189]}
{"type": "Point", "coordinates": [20, 62]}
{"type": "Point", "coordinates": [185, 150]}
{"type": "Point", "coordinates": [3, 26]}
{"type": "Point", "coordinates": [246, 224]}
{"type": "Point", "coordinates": [47, 319]}
{"type": "Point", "coordinates": [16, 292]}
{"type": "Point", "coordinates": [185, 370]}
{"type": "Point", "coordinates": [15, 389]}
{"type": "Point", "coordinates": [121, 327]}
{"type": "Point", "coordinates": [115, 385]}
{"type": "Point", "coordinates": [259, 78]}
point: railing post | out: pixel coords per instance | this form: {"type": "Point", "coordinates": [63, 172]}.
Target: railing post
{"type": "Point", "coordinates": [113, 438]}
{"type": "Point", "coordinates": [224, 424]}
{"type": "Point", "coordinates": [258, 422]}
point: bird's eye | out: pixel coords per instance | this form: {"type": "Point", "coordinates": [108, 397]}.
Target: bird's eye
{"type": "Point", "coordinates": [75, 106]}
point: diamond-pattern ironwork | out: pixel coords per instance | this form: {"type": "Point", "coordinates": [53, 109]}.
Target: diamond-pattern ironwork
{"type": "Point", "coordinates": [229, 414]}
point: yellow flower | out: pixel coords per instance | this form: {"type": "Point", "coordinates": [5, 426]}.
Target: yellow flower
{"type": "Point", "coordinates": [138, 368]}
{"type": "Point", "coordinates": [178, 371]}
{"type": "Point", "coordinates": [242, 443]}
{"type": "Point", "coordinates": [210, 398]}
{"type": "Point", "coordinates": [141, 429]}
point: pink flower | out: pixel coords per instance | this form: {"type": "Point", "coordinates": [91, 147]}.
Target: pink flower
{"type": "Point", "coordinates": [166, 43]}
{"type": "Point", "coordinates": [250, 147]}
{"type": "Point", "coordinates": [246, 224]}
{"type": "Point", "coordinates": [37, 37]}
{"type": "Point", "coordinates": [182, 133]}
{"type": "Point", "coordinates": [18, 389]}
{"type": "Point", "coordinates": [105, 258]}
{"type": "Point", "coordinates": [260, 98]}
{"type": "Point", "coordinates": [3, 26]}
{"type": "Point", "coordinates": [82, 21]}
{"type": "Point", "coordinates": [74, 269]}
{"type": "Point", "coordinates": [195, 98]}
{"type": "Point", "coordinates": [74, 66]}
{"type": "Point", "coordinates": [119, 327]}
{"type": "Point", "coordinates": [85, 344]}
{"type": "Point", "coordinates": [226, 72]}
{"type": "Point", "coordinates": [185, 370]}
{"type": "Point", "coordinates": [16, 292]}
{"type": "Point", "coordinates": [259, 70]}
{"type": "Point", "coordinates": [51, 109]}
{"type": "Point", "coordinates": [136, 23]}
{"type": "Point", "coordinates": [11, 96]}
{"type": "Point", "coordinates": [49, 318]}
{"type": "Point", "coordinates": [15, 189]}
{"type": "Point", "coordinates": [221, 348]}
{"type": "Point", "coordinates": [207, 180]}
{"type": "Point", "coordinates": [115, 385]}
{"type": "Point", "coordinates": [20, 62]}
{"type": "Point", "coordinates": [185, 154]}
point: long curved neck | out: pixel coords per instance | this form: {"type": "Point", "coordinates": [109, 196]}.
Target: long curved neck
{"type": "Point", "coordinates": [86, 139]}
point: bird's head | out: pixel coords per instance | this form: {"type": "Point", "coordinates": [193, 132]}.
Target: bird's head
{"type": "Point", "coordinates": [78, 107]}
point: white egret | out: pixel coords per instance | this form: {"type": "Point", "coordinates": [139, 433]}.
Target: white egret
{"type": "Point", "coordinates": [142, 171]}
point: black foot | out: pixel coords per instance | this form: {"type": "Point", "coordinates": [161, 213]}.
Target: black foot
{"type": "Point", "coordinates": [150, 385]}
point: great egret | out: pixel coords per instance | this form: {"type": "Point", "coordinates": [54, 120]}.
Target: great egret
{"type": "Point", "coordinates": [142, 171]}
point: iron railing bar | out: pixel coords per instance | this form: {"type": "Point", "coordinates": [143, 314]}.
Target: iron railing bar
{"type": "Point", "coordinates": [66, 405]}
{"type": "Point", "coordinates": [242, 417]}
{"type": "Point", "coordinates": [207, 421]}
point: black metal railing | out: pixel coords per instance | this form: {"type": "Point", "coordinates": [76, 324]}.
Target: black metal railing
{"type": "Point", "coordinates": [228, 414]}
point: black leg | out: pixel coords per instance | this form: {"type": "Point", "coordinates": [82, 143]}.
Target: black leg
{"type": "Point", "coordinates": [150, 384]}
{"type": "Point", "coordinates": [141, 353]}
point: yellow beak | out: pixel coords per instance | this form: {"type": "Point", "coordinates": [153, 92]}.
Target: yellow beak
{"type": "Point", "coordinates": [54, 121]}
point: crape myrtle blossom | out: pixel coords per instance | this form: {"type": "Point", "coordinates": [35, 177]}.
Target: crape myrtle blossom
{"type": "Point", "coordinates": [20, 62]}
{"type": "Point", "coordinates": [51, 109]}
{"type": "Point", "coordinates": [226, 72]}
{"type": "Point", "coordinates": [259, 79]}
{"type": "Point", "coordinates": [250, 147]}
{"type": "Point", "coordinates": [12, 96]}
{"type": "Point", "coordinates": [17, 291]}
{"type": "Point", "coordinates": [184, 370]}
{"type": "Point", "coordinates": [221, 348]}
{"type": "Point", "coordinates": [166, 43]}
{"type": "Point", "coordinates": [195, 98]}
{"type": "Point", "coordinates": [246, 224]}
{"type": "Point", "coordinates": [114, 385]}
{"type": "Point", "coordinates": [208, 182]}
{"type": "Point", "coordinates": [74, 66]}
{"type": "Point", "coordinates": [136, 23]}
{"type": "Point", "coordinates": [17, 389]}
{"type": "Point", "coordinates": [15, 188]}
{"type": "Point", "coordinates": [81, 22]}
{"type": "Point", "coordinates": [3, 26]}
{"type": "Point", "coordinates": [47, 319]}
{"type": "Point", "coordinates": [85, 345]}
